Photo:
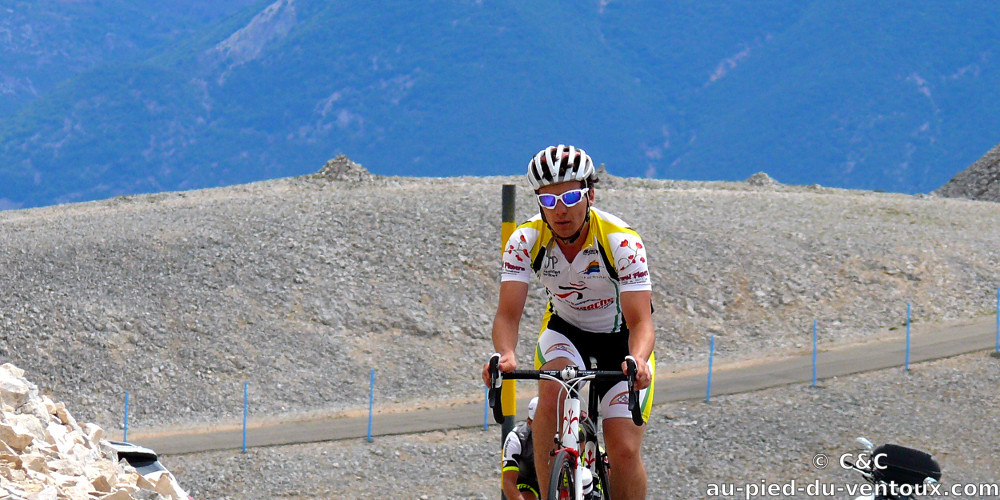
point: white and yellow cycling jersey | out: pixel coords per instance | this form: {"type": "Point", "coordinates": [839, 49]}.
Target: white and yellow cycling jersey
{"type": "Point", "coordinates": [587, 291]}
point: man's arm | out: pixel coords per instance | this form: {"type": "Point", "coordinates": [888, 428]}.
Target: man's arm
{"type": "Point", "coordinates": [510, 485]}
{"type": "Point", "coordinates": [513, 295]}
{"type": "Point", "coordinates": [642, 336]}
{"type": "Point", "coordinates": [511, 467]}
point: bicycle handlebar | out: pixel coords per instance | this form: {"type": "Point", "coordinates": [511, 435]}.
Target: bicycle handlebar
{"type": "Point", "coordinates": [567, 374]}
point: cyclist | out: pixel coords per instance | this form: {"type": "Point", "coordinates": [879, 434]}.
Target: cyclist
{"type": "Point", "coordinates": [593, 266]}
{"type": "Point", "coordinates": [518, 476]}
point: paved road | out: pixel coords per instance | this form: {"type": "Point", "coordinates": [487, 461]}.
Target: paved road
{"type": "Point", "coordinates": [927, 342]}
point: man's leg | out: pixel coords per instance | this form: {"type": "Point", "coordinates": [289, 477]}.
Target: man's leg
{"type": "Point", "coordinates": [543, 428]}
{"type": "Point", "coordinates": [623, 441]}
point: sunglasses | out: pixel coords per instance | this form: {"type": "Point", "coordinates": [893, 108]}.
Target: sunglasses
{"type": "Point", "coordinates": [569, 198]}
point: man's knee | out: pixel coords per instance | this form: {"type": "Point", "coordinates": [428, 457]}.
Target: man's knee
{"type": "Point", "coordinates": [623, 450]}
{"type": "Point", "coordinates": [623, 439]}
{"type": "Point", "coordinates": [548, 392]}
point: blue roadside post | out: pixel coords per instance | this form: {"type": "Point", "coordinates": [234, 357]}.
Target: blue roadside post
{"type": "Point", "coordinates": [907, 336]}
{"type": "Point", "coordinates": [371, 404]}
{"type": "Point", "coordinates": [246, 407]}
{"type": "Point", "coordinates": [814, 353]}
{"type": "Point", "coordinates": [125, 434]}
{"type": "Point", "coordinates": [711, 354]}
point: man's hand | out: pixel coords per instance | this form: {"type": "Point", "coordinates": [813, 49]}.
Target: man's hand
{"type": "Point", "coordinates": [507, 364]}
{"type": "Point", "coordinates": [643, 376]}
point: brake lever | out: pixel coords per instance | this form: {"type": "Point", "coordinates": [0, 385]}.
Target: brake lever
{"type": "Point", "coordinates": [631, 369]}
{"type": "Point", "coordinates": [496, 379]}
{"type": "Point", "coordinates": [496, 382]}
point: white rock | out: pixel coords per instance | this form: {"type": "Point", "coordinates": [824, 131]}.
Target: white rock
{"type": "Point", "coordinates": [13, 391]}
{"type": "Point", "coordinates": [50, 492]}
{"type": "Point", "coordinates": [94, 433]}
{"type": "Point", "coordinates": [9, 371]}
{"type": "Point", "coordinates": [120, 494]}
{"type": "Point", "coordinates": [15, 436]}
{"type": "Point", "coordinates": [35, 463]}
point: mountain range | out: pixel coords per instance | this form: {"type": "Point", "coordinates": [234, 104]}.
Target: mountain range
{"type": "Point", "coordinates": [100, 98]}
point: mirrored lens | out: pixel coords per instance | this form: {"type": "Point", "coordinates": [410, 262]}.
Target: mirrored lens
{"type": "Point", "coordinates": [548, 200]}
{"type": "Point", "coordinates": [573, 197]}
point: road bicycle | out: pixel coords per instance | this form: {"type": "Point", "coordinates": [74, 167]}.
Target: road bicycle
{"type": "Point", "coordinates": [896, 472]}
{"type": "Point", "coordinates": [580, 469]}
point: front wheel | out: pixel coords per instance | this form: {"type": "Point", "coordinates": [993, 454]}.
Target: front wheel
{"type": "Point", "coordinates": [561, 485]}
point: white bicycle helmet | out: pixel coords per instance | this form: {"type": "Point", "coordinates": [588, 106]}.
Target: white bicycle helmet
{"type": "Point", "coordinates": [561, 163]}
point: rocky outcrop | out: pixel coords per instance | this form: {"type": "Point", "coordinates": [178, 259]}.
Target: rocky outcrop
{"type": "Point", "coordinates": [342, 168]}
{"type": "Point", "coordinates": [46, 454]}
{"type": "Point", "coordinates": [761, 179]}
{"type": "Point", "coordinates": [981, 181]}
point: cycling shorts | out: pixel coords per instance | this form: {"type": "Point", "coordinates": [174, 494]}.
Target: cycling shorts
{"type": "Point", "coordinates": [559, 339]}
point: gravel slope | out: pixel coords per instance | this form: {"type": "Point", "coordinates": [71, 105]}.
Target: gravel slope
{"type": "Point", "coordinates": [302, 285]}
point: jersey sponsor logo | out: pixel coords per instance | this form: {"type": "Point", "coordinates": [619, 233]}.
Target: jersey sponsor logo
{"type": "Point", "coordinates": [549, 266]}
{"type": "Point", "coordinates": [512, 267]}
{"type": "Point", "coordinates": [620, 399]}
{"type": "Point", "coordinates": [636, 276]}
{"type": "Point", "coordinates": [628, 260]}
{"type": "Point", "coordinates": [574, 297]}
{"type": "Point", "coordinates": [551, 261]}
{"type": "Point", "coordinates": [592, 268]}
{"type": "Point", "coordinates": [601, 304]}
{"type": "Point", "coordinates": [574, 289]}
{"type": "Point", "coordinates": [590, 251]}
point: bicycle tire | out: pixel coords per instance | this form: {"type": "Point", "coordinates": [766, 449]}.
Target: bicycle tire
{"type": "Point", "coordinates": [561, 481]}
{"type": "Point", "coordinates": [602, 481]}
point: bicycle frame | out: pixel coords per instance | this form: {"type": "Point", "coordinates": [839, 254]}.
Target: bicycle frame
{"type": "Point", "coordinates": [585, 454]}
{"type": "Point", "coordinates": [568, 432]}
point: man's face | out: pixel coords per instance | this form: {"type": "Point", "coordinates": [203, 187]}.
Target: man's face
{"type": "Point", "coordinates": [566, 221]}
